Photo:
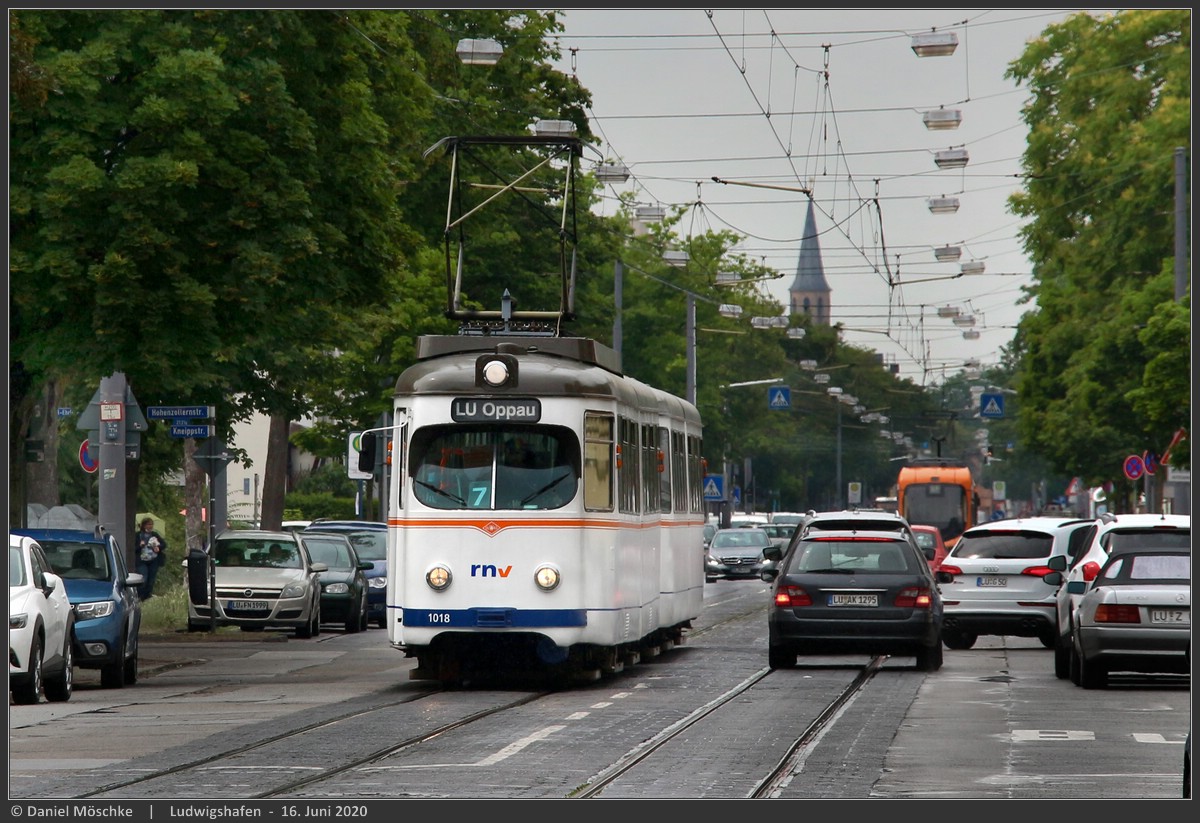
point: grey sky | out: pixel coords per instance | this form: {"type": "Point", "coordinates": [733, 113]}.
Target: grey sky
{"type": "Point", "coordinates": [846, 121]}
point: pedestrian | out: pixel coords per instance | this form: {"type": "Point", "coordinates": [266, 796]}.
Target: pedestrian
{"type": "Point", "coordinates": [150, 548]}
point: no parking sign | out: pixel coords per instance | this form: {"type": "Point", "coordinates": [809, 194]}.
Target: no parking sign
{"type": "Point", "coordinates": [1135, 467]}
{"type": "Point", "coordinates": [89, 465]}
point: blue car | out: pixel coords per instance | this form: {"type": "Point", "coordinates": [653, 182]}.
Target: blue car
{"type": "Point", "coordinates": [104, 596]}
{"type": "Point", "coordinates": [370, 542]}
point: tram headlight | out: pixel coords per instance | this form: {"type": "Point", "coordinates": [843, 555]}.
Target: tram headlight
{"type": "Point", "coordinates": [546, 578]}
{"type": "Point", "coordinates": [438, 578]}
{"type": "Point", "coordinates": [495, 372]}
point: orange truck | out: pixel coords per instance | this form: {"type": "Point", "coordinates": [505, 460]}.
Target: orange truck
{"type": "Point", "coordinates": [938, 492]}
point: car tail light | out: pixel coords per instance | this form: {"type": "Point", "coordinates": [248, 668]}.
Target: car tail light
{"type": "Point", "coordinates": [1037, 571]}
{"type": "Point", "coordinates": [946, 567]}
{"type": "Point", "coordinates": [1090, 570]}
{"type": "Point", "coordinates": [1113, 613]}
{"type": "Point", "coordinates": [914, 597]}
{"type": "Point", "coordinates": [789, 596]}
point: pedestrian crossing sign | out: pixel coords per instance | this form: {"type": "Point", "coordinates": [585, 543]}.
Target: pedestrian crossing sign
{"type": "Point", "coordinates": [714, 487]}
{"type": "Point", "coordinates": [991, 405]}
{"type": "Point", "coordinates": [779, 397]}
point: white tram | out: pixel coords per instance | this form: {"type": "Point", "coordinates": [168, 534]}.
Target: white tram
{"type": "Point", "coordinates": [544, 510]}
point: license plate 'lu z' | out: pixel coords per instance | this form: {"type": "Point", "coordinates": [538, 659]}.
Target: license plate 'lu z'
{"type": "Point", "coordinates": [248, 605]}
{"type": "Point", "coordinates": [1177, 617]}
{"type": "Point", "coordinates": [991, 582]}
{"type": "Point", "coordinates": [853, 600]}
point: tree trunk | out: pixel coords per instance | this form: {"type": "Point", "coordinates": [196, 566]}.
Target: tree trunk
{"type": "Point", "coordinates": [275, 473]}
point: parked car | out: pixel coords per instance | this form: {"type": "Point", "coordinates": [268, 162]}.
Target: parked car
{"type": "Point", "coordinates": [929, 540]}
{"type": "Point", "coordinates": [1134, 616]}
{"type": "Point", "coordinates": [104, 596]}
{"type": "Point", "coordinates": [369, 539]}
{"type": "Point", "coordinates": [343, 583]}
{"type": "Point", "coordinates": [263, 579]}
{"type": "Point", "coordinates": [41, 626]}
{"type": "Point", "coordinates": [853, 592]}
{"type": "Point", "coordinates": [737, 554]}
{"type": "Point", "coordinates": [1111, 533]}
{"type": "Point", "coordinates": [992, 579]}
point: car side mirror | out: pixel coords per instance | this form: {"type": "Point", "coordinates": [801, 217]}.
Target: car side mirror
{"type": "Point", "coordinates": [769, 575]}
{"type": "Point", "coordinates": [930, 552]}
{"type": "Point", "coordinates": [1076, 587]}
{"type": "Point", "coordinates": [1058, 562]}
{"type": "Point", "coordinates": [1053, 579]}
{"type": "Point", "coordinates": [319, 567]}
{"type": "Point", "coordinates": [943, 577]}
{"type": "Point", "coordinates": [773, 553]}
{"type": "Point", "coordinates": [366, 565]}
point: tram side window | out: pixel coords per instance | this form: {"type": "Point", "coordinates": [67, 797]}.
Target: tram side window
{"type": "Point", "coordinates": [649, 468]}
{"type": "Point", "coordinates": [665, 503]}
{"type": "Point", "coordinates": [628, 479]}
{"type": "Point", "coordinates": [695, 473]}
{"type": "Point", "coordinates": [597, 462]}
{"type": "Point", "coordinates": [679, 491]}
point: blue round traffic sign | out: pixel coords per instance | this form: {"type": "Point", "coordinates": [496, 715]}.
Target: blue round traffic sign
{"type": "Point", "coordinates": [1134, 467]}
{"type": "Point", "coordinates": [89, 465]}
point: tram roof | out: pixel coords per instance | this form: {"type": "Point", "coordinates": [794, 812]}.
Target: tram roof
{"type": "Point", "coordinates": [583, 349]}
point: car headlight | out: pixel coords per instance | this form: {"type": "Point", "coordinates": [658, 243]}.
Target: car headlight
{"type": "Point", "coordinates": [377, 582]}
{"type": "Point", "coordinates": [93, 610]}
{"type": "Point", "coordinates": [438, 578]}
{"type": "Point", "coordinates": [18, 621]}
{"type": "Point", "coordinates": [337, 588]}
{"type": "Point", "coordinates": [546, 577]}
{"type": "Point", "coordinates": [294, 590]}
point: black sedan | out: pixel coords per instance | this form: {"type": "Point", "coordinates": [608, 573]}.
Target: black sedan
{"type": "Point", "coordinates": [853, 592]}
{"type": "Point", "coordinates": [344, 583]}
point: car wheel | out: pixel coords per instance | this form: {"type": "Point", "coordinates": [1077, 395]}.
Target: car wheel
{"type": "Point", "coordinates": [382, 621]}
{"type": "Point", "coordinates": [30, 692]}
{"type": "Point", "coordinates": [363, 622]}
{"type": "Point", "coordinates": [781, 657]}
{"type": "Point", "coordinates": [929, 658]}
{"type": "Point", "coordinates": [1092, 674]}
{"type": "Point", "coordinates": [1062, 657]}
{"type": "Point", "coordinates": [1073, 668]}
{"type": "Point", "coordinates": [131, 668]}
{"type": "Point", "coordinates": [60, 686]}
{"type": "Point", "coordinates": [316, 623]}
{"type": "Point", "coordinates": [112, 675]}
{"type": "Point", "coordinates": [958, 640]}
{"type": "Point", "coordinates": [194, 626]}
{"type": "Point", "coordinates": [354, 621]}
{"type": "Point", "coordinates": [710, 580]}
{"type": "Point", "coordinates": [1047, 638]}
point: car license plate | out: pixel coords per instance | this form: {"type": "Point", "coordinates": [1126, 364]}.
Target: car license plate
{"type": "Point", "coordinates": [991, 582]}
{"type": "Point", "coordinates": [1174, 616]}
{"type": "Point", "coordinates": [248, 605]}
{"type": "Point", "coordinates": [853, 600]}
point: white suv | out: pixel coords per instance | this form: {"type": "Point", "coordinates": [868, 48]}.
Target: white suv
{"type": "Point", "coordinates": [991, 580]}
{"type": "Point", "coordinates": [1112, 533]}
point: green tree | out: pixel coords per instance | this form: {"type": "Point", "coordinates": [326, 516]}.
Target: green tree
{"type": "Point", "coordinates": [1101, 371]}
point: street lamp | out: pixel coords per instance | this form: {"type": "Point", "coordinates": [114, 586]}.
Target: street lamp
{"type": "Point", "coordinates": [942, 118]}
{"type": "Point", "coordinates": [945, 254]}
{"type": "Point", "coordinates": [479, 52]}
{"type": "Point", "coordinates": [934, 43]}
{"type": "Point", "coordinates": [836, 393]}
{"type": "Point", "coordinates": [951, 158]}
{"type": "Point", "coordinates": [942, 205]}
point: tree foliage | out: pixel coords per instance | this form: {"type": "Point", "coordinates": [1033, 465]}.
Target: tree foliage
{"type": "Point", "coordinates": [1102, 370]}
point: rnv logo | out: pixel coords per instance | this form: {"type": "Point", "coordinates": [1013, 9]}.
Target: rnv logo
{"type": "Point", "coordinates": [488, 570]}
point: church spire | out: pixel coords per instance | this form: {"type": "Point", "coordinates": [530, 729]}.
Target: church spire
{"type": "Point", "coordinates": [810, 293]}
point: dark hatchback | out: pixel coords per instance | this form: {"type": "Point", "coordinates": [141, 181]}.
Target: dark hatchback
{"type": "Point", "coordinates": [369, 539]}
{"type": "Point", "coordinates": [344, 583]}
{"type": "Point", "coordinates": [104, 597]}
{"type": "Point", "coordinates": [853, 592]}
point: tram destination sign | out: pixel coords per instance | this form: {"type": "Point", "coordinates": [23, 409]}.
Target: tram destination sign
{"type": "Point", "coordinates": [493, 410]}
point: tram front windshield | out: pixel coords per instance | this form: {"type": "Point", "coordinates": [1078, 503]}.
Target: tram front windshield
{"type": "Point", "coordinates": [490, 467]}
